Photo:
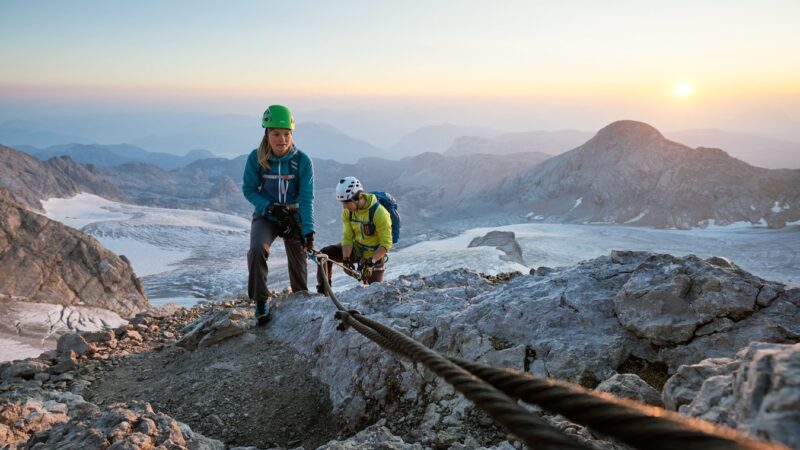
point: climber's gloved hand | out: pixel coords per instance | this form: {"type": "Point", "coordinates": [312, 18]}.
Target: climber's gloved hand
{"type": "Point", "coordinates": [278, 211]}
{"type": "Point", "coordinates": [347, 262]}
{"type": "Point", "coordinates": [309, 241]}
{"type": "Point", "coordinates": [367, 267]}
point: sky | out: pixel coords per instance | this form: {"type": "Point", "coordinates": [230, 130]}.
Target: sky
{"type": "Point", "coordinates": [514, 65]}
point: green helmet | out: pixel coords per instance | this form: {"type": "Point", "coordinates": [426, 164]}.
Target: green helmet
{"type": "Point", "coordinates": [277, 116]}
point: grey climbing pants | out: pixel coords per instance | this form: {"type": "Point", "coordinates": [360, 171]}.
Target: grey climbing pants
{"type": "Point", "coordinates": [263, 231]}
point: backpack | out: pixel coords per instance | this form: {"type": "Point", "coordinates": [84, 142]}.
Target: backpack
{"type": "Point", "coordinates": [388, 201]}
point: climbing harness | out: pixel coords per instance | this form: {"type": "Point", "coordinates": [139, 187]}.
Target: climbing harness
{"type": "Point", "coordinates": [498, 391]}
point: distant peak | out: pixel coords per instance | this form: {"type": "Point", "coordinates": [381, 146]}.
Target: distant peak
{"type": "Point", "coordinates": [631, 127]}
{"type": "Point", "coordinates": [626, 134]}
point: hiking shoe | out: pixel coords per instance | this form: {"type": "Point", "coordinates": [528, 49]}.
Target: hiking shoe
{"type": "Point", "coordinates": [262, 313]}
{"type": "Point", "coordinates": [262, 319]}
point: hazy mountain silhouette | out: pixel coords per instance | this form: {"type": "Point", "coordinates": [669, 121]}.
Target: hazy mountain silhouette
{"type": "Point", "coordinates": [437, 138]}
{"type": "Point", "coordinates": [756, 150]}
{"type": "Point", "coordinates": [549, 142]}
{"type": "Point", "coordinates": [629, 173]}
{"type": "Point", "coordinates": [114, 155]}
{"type": "Point", "coordinates": [16, 137]}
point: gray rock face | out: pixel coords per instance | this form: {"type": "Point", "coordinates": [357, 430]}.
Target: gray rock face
{"type": "Point", "coordinates": [563, 324]}
{"type": "Point", "coordinates": [43, 261]}
{"type": "Point", "coordinates": [669, 300]}
{"type": "Point", "coordinates": [501, 240]}
{"type": "Point", "coordinates": [757, 391]}
{"type": "Point", "coordinates": [32, 180]}
{"type": "Point", "coordinates": [629, 173]}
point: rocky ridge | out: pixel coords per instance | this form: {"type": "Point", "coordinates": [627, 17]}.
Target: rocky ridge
{"type": "Point", "coordinates": [195, 365]}
{"type": "Point", "coordinates": [32, 180]}
{"type": "Point", "coordinates": [43, 261]}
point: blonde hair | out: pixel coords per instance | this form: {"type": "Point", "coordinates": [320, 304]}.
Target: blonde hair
{"type": "Point", "coordinates": [264, 152]}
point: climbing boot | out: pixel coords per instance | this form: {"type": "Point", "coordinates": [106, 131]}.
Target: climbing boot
{"type": "Point", "coordinates": [263, 314]}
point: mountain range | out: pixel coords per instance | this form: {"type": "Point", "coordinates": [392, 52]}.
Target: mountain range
{"type": "Point", "coordinates": [32, 180]}
{"type": "Point", "coordinates": [629, 173]}
{"type": "Point", "coordinates": [115, 155]}
{"type": "Point", "coordinates": [350, 135]}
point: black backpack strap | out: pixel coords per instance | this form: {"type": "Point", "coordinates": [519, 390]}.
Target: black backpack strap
{"type": "Point", "coordinates": [372, 211]}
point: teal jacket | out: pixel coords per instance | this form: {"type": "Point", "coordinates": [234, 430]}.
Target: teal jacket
{"type": "Point", "coordinates": [289, 180]}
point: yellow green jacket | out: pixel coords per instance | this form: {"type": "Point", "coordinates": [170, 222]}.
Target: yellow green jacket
{"type": "Point", "coordinates": [353, 231]}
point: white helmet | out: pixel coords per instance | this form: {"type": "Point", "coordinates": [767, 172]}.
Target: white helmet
{"type": "Point", "coordinates": [347, 188]}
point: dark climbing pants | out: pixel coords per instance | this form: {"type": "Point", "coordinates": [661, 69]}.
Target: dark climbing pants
{"type": "Point", "coordinates": [262, 231]}
{"type": "Point", "coordinates": [334, 252]}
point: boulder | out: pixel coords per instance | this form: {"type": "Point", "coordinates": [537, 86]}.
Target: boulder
{"type": "Point", "coordinates": [26, 369]}
{"type": "Point", "coordinates": [630, 386]}
{"type": "Point", "coordinates": [682, 387]}
{"type": "Point", "coordinates": [74, 342]}
{"type": "Point", "coordinates": [667, 300]}
{"type": "Point", "coordinates": [501, 240]}
{"type": "Point", "coordinates": [214, 327]}
{"type": "Point", "coordinates": [757, 391]}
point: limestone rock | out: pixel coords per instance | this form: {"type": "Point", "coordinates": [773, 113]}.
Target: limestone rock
{"type": "Point", "coordinates": [74, 342]}
{"type": "Point", "coordinates": [628, 385]}
{"type": "Point", "coordinates": [38, 326]}
{"type": "Point", "coordinates": [121, 425]}
{"type": "Point", "coordinates": [44, 261]}
{"type": "Point", "coordinates": [21, 420]}
{"type": "Point", "coordinates": [757, 392]}
{"type": "Point", "coordinates": [563, 325]}
{"type": "Point", "coordinates": [667, 299]}
{"type": "Point", "coordinates": [685, 384]}
{"type": "Point", "coordinates": [501, 240]}
{"type": "Point", "coordinates": [214, 327]}
{"type": "Point", "coordinates": [375, 436]}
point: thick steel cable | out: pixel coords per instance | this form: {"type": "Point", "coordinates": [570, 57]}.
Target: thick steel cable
{"type": "Point", "coordinates": [519, 421]}
{"type": "Point", "coordinates": [328, 291]}
{"type": "Point", "coordinates": [636, 424]}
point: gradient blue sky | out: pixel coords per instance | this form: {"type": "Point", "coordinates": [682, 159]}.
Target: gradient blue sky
{"type": "Point", "coordinates": [621, 57]}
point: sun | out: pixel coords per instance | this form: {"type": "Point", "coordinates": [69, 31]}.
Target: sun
{"type": "Point", "coordinates": [683, 90]}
